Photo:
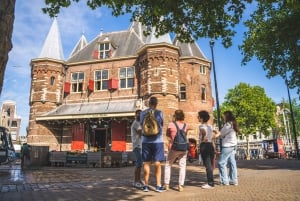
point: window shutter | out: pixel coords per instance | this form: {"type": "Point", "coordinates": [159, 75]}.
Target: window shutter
{"type": "Point", "coordinates": [67, 87]}
{"type": "Point", "coordinates": [113, 84]}
{"type": "Point", "coordinates": [96, 54]}
{"type": "Point", "coordinates": [91, 85]}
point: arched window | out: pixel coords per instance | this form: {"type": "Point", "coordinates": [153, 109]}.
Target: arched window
{"type": "Point", "coordinates": [182, 92]}
{"type": "Point", "coordinates": [203, 92]}
{"type": "Point", "coordinates": [52, 80]}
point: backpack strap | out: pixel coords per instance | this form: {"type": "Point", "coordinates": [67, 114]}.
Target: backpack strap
{"type": "Point", "coordinates": [183, 128]}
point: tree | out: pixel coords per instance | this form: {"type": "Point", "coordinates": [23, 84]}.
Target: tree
{"type": "Point", "coordinates": [253, 109]}
{"type": "Point", "coordinates": [272, 35]}
{"type": "Point", "coordinates": [273, 38]}
{"type": "Point", "coordinates": [214, 19]}
{"type": "Point", "coordinates": [7, 17]}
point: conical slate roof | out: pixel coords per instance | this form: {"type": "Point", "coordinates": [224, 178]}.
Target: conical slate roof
{"type": "Point", "coordinates": [189, 49]}
{"type": "Point", "coordinates": [52, 47]}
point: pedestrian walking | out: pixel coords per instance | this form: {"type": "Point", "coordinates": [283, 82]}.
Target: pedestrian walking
{"type": "Point", "coordinates": [152, 143]}
{"type": "Point", "coordinates": [174, 153]}
{"type": "Point", "coordinates": [207, 147]}
{"type": "Point", "coordinates": [228, 134]}
{"type": "Point", "coordinates": [25, 154]}
{"type": "Point", "coordinates": [136, 132]}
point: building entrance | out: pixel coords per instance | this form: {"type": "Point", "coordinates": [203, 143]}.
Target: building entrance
{"type": "Point", "coordinates": [100, 139]}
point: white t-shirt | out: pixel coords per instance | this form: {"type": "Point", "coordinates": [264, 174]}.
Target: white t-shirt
{"type": "Point", "coordinates": [135, 137]}
{"type": "Point", "coordinates": [209, 133]}
{"type": "Point", "coordinates": [228, 135]}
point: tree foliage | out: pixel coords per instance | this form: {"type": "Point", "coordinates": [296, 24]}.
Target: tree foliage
{"type": "Point", "coordinates": [186, 18]}
{"type": "Point", "coordinates": [273, 32]}
{"type": "Point", "coordinates": [253, 109]}
{"type": "Point", "coordinates": [273, 28]}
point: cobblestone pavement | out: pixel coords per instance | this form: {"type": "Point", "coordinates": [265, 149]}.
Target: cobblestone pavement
{"type": "Point", "coordinates": [258, 180]}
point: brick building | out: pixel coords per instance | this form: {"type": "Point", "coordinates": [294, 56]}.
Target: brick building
{"type": "Point", "coordinates": [88, 100]}
{"type": "Point", "coordinates": [10, 120]}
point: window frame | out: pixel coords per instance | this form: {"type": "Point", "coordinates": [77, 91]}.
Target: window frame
{"type": "Point", "coordinates": [182, 92]}
{"type": "Point", "coordinates": [77, 82]}
{"type": "Point", "coordinates": [202, 69]}
{"type": "Point", "coordinates": [104, 52]}
{"type": "Point", "coordinates": [203, 92]}
{"type": "Point", "coordinates": [127, 78]}
{"type": "Point", "coordinates": [101, 82]}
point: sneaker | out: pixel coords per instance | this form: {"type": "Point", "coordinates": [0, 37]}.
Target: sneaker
{"type": "Point", "coordinates": [206, 186]}
{"type": "Point", "coordinates": [234, 184]}
{"type": "Point", "coordinates": [160, 189]}
{"type": "Point", "coordinates": [145, 188]}
{"type": "Point", "coordinates": [222, 184]}
{"type": "Point", "coordinates": [167, 187]}
{"type": "Point", "coordinates": [180, 188]}
{"type": "Point", "coordinates": [137, 185]}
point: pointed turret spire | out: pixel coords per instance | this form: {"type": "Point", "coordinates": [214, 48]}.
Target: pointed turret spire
{"type": "Point", "coordinates": [79, 45]}
{"type": "Point", "coordinates": [160, 39]}
{"type": "Point", "coordinates": [138, 28]}
{"type": "Point", "coordinates": [52, 47]}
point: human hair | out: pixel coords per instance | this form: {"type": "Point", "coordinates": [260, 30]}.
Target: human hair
{"type": "Point", "coordinates": [153, 101]}
{"type": "Point", "coordinates": [204, 115]}
{"type": "Point", "coordinates": [179, 115]}
{"type": "Point", "coordinates": [138, 111]}
{"type": "Point", "coordinates": [229, 117]}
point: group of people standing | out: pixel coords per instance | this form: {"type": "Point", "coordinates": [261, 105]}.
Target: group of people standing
{"type": "Point", "coordinates": [150, 149]}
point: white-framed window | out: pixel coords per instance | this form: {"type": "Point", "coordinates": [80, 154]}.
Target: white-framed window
{"type": "Point", "coordinates": [182, 91]}
{"type": "Point", "coordinates": [126, 76]}
{"type": "Point", "coordinates": [101, 80]}
{"type": "Point", "coordinates": [77, 81]}
{"type": "Point", "coordinates": [203, 92]}
{"type": "Point", "coordinates": [104, 50]}
{"type": "Point", "coordinates": [202, 69]}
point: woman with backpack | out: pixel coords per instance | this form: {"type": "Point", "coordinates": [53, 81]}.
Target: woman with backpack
{"type": "Point", "coordinates": [177, 149]}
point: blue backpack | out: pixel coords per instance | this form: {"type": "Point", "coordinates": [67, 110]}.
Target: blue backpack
{"type": "Point", "coordinates": [180, 142]}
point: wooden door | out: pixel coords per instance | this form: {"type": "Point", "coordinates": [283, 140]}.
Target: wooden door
{"type": "Point", "coordinates": [78, 137]}
{"type": "Point", "coordinates": [118, 136]}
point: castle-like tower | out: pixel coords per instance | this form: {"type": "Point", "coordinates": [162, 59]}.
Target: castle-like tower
{"type": "Point", "coordinates": [89, 100]}
{"type": "Point", "coordinates": [46, 94]}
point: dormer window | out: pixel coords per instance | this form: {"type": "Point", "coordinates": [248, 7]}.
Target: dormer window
{"type": "Point", "coordinates": [104, 50]}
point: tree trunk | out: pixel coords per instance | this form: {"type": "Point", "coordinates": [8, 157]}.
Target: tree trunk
{"type": "Point", "coordinates": [7, 16]}
{"type": "Point", "coordinates": [248, 148]}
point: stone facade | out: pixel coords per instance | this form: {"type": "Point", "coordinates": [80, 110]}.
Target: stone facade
{"type": "Point", "coordinates": [160, 69]}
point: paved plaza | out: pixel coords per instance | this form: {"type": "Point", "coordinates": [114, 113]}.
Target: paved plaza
{"type": "Point", "coordinates": [258, 180]}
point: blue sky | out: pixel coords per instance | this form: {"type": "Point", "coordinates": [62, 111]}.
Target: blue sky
{"type": "Point", "coordinates": [31, 27]}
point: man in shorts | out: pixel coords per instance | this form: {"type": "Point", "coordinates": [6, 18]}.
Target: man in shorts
{"type": "Point", "coordinates": [136, 132]}
{"type": "Point", "coordinates": [153, 148]}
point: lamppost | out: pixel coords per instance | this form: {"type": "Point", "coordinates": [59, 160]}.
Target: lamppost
{"type": "Point", "coordinates": [211, 44]}
{"type": "Point", "coordinates": [292, 117]}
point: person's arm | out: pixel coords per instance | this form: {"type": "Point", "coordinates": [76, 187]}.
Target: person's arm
{"type": "Point", "coordinates": [227, 128]}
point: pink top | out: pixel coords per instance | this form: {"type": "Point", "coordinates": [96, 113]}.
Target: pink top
{"type": "Point", "coordinates": [171, 131]}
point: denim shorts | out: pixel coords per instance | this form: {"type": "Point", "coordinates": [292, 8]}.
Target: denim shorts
{"type": "Point", "coordinates": [138, 157]}
{"type": "Point", "coordinates": [153, 152]}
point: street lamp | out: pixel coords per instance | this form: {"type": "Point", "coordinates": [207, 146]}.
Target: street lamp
{"type": "Point", "coordinates": [292, 117]}
{"type": "Point", "coordinates": [211, 44]}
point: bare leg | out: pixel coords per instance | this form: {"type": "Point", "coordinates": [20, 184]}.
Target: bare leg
{"type": "Point", "coordinates": [147, 172]}
{"type": "Point", "coordinates": [158, 173]}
